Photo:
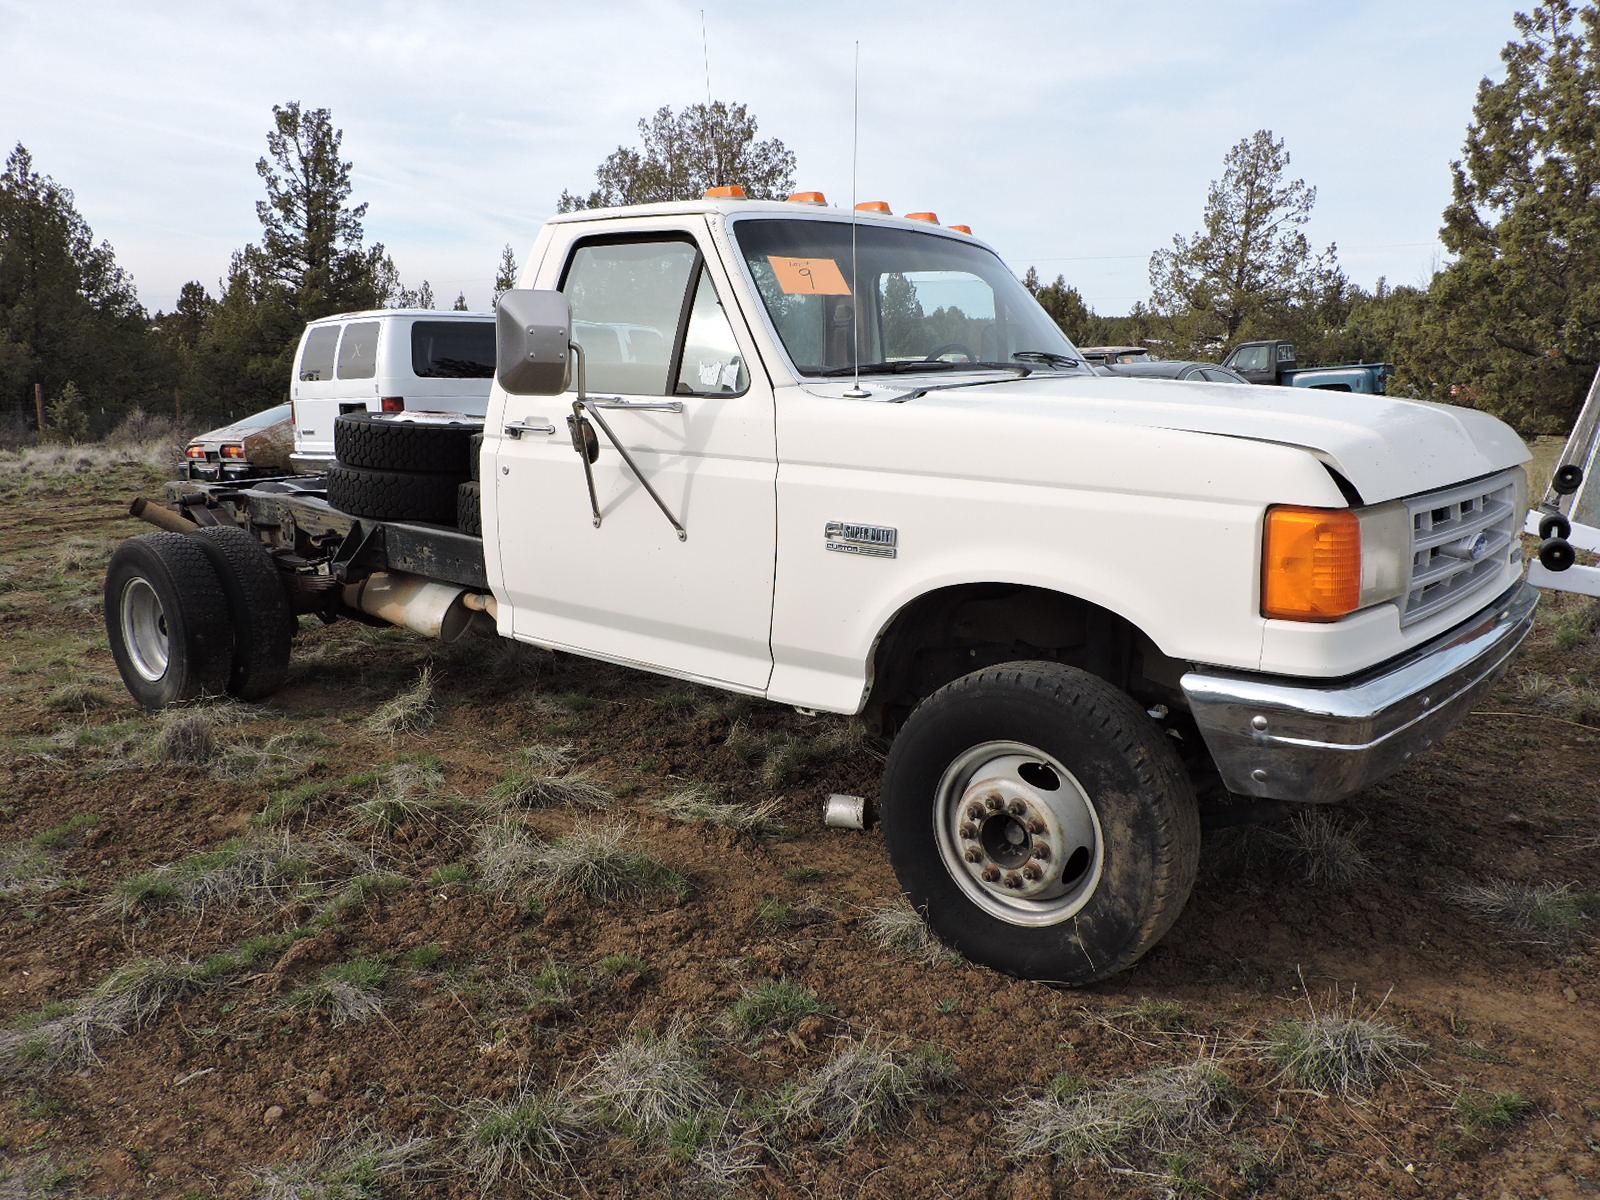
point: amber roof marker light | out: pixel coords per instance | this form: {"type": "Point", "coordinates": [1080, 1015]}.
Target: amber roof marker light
{"type": "Point", "coordinates": [931, 218]}
{"type": "Point", "coordinates": [966, 229]}
{"type": "Point", "coordinates": [807, 198]}
{"type": "Point", "coordinates": [875, 206]}
{"type": "Point", "coordinates": [726, 191]}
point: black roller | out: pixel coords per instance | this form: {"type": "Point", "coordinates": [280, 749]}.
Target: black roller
{"type": "Point", "coordinates": [1567, 479]}
{"type": "Point", "coordinates": [1557, 554]}
{"type": "Point", "coordinates": [1554, 525]}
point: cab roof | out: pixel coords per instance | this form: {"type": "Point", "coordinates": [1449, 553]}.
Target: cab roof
{"type": "Point", "coordinates": [732, 207]}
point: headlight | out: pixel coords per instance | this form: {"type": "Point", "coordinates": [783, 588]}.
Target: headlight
{"type": "Point", "coordinates": [1320, 564]}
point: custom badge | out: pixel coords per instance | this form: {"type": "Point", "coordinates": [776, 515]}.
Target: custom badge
{"type": "Point", "coordinates": [875, 541]}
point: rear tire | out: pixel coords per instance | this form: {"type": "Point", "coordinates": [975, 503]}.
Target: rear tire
{"type": "Point", "coordinates": [1023, 757]}
{"type": "Point", "coordinates": [474, 454]}
{"type": "Point", "coordinates": [469, 509]}
{"type": "Point", "coordinates": [393, 495]}
{"type": "Point", "coordinates": [379, 443]}
{"type": "Point", "coordinates": [262, 623]}
{"type": "Point", "coordinates": [168, 620]}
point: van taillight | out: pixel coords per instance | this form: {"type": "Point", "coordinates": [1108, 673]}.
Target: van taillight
{"type": "Point", "coordinates": [393, 404]}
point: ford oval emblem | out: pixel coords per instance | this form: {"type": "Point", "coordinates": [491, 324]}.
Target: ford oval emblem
{"type": "Point", "coordinates": [1478, 547]}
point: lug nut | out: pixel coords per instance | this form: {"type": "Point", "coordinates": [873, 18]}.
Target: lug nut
{"type": "Point", "coordinates": [969, 831]}
{"type": "Point", "coordinates": [976, 813]}
{"type": "Point", "coordinates": [1031, 873]}
{"type": "Point", "coordinates": [1013, 880]}
{"type": "Point", "coordinates": [990, 874]}
{"type": "Point", "coordinates": [1016, 808]}
{"type": "Point", "coordinates": [992, 803]}
{"type": "Point", "coordinates": [1036, 827]}
{"type": "Point", "coordinates": [1041, 851]}
{"type": "Point", "coordinates": [974, 854]}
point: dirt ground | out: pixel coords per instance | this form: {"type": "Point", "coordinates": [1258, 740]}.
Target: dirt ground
{"type": "Point", "coordinates": [479, 991]}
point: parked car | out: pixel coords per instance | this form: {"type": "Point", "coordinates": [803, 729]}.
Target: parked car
{"type": "Point", "coordinates": [1274, 363]}
{"type": "Point", "coordinates": [1109, 356]}
{"type": "Point", "coordinates": [1083, 607]}
{"type": "Point", "coordinates": [390, 360]}
{"type": "Point", "coordinates": [251, 447]}
{"type": "Point", "coordinates": [1199, 372]}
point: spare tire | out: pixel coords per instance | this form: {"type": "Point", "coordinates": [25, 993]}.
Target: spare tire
{"type": "Point", "coordinates": [393, 495]}
{"type": "Point", "coordinates": [474, 454]}
{"type": "Point", "coordinates": [469, 511]}
{"type": "Point", "coordinates": [377, 442]}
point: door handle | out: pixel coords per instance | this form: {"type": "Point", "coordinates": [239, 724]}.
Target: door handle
{"type": "Point", "coordinates": [515, 429]}
{"type": "Point", "coordinates": [671, 406]}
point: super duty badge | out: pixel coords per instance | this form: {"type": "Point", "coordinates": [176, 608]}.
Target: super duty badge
{"type": "Point", "coordinates": [876, 541]}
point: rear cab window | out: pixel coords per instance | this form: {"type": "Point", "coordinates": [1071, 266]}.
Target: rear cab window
{"type": "Point", "coordinates": [452, 349]}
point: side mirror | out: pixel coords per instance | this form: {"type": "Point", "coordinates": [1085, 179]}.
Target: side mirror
{"type": "Point", "coordinates": [532, 332]}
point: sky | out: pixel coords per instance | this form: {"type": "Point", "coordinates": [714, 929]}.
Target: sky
{"type": "Point", "coordinates": [1077, 138]}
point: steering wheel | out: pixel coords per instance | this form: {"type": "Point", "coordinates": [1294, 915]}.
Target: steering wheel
{"type": "Point", "coordinates": [947, 348]}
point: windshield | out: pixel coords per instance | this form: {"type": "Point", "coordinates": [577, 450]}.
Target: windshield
{"type": "Point", "coordinates": [270, 416]}
{"type": "Point", "coordinates": [927, 301]}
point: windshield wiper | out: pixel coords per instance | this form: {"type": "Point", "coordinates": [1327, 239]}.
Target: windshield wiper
{"type": "Point", "coordinates": [912, 366]}
{"type": "Point", "coordinates": [1047, 356]}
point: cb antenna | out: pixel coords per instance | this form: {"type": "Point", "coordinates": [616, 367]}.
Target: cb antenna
{"type": "Point", "coordinates": [705, 50]}
{"type": "Point", "coordinates": [855, 392]}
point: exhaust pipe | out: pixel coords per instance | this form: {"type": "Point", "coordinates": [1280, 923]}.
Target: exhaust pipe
{"type": "Point", "coordinates": [425, 606]}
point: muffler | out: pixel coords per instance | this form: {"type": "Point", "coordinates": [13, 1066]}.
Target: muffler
{"type": "Point", "coordinates": [425, 606]}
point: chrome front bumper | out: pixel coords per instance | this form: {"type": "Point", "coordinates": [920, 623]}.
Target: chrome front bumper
{"type": "Point", "coordinates": [1293, 739]}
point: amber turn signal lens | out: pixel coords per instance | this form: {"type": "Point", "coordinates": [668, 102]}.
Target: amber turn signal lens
{"type": "Point", "coordinates": [727, 191]}
{"type": "Point", "coordinates": [1311, 564]}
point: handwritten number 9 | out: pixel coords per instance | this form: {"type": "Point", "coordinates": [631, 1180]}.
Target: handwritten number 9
{"type": "Point", "coordinates": [805, 273]}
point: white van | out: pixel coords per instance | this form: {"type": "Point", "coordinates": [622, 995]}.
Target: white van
{"type": "Point", "coordinates": [387, 360]}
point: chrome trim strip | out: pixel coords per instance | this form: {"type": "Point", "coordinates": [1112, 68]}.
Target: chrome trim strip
{"type": "Point", "coordinates": [1291, 739]}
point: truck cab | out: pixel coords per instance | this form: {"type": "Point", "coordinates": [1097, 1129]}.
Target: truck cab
{"type": "Point", "coordinates": [1275, 363]}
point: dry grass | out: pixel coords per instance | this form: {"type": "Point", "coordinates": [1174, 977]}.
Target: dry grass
{"type": "Point", "coordinates": [896, 926]}
{"type": "Point", "coordinates": [546, 778]}
{"type": "Point", "coordinates": [1324, 847]}
{"type": "Point", "coordinates": [783, 756]}
{"type": "Point", "coordinates": [646, 1084]}
{"type": "Point", "coordinates": [25, 868]}
{"type": "Point", "coordinates": [81, 696]}
{"type": "Point", "coordinates": [402, 792]}
{"type": "Point", "coordinates": [158, 452]}
{"type": "Point", "coordinates": [1569, 700]}
{"type": "Point", "coordinates": [863, 1087]}
{"type": "Point", "coordinates": [1542, 914]}
{"type": "Point", "coordinates": [410, 711]}
{"type": "Point", "coordinates": [1480, 1114]}
{"type": "Point", "coordinates": [238, 873]}
{"type": "Point", "coordinates": [698, 804]}
{"type": "Point", "coordinates": [1340, 1050]}
{"type": "Point", "coordinates": [67, 1036]}
{"type": "Point", "coordinates": [526, 1138]}
{"type": "Point", "coordinates": [190, 735]}
{"type": "Point", "coordinates": [593, 862]}
{"type": "Point", "coordinates": [361, 1165]}
{"type": "Point", "coordinates": [773, 1005]}
{"type": "Point", "coordinates": [347, 991]}
{"type": "Point", "coordinates": [1158, 1111]}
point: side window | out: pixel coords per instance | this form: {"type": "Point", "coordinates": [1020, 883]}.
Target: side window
{"type": "Point", "coordinates": [627, 301]}
{"type": "Point", "coordinates": [358, 350]}
{"type": "Point", "coordinates": [316, 360]}
{"type": "Point", "coordinates": [1252, 358]}
{"type": "Point", "coordinates": [712, 364]}
{"type": "Point", "coordinates": [1217, 375]}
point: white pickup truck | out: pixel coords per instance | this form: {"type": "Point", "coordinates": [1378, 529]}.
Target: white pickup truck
{"type": "Point", "coordinates": [845, 462]}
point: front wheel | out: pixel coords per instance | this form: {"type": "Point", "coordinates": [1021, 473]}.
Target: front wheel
{"type": "Point", "coordinates": [1041, 821]}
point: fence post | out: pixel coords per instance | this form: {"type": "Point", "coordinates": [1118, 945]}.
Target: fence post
{"type": "Point", "coordinates": [177, 408]}
{"type": "Point", "coordinates": [38, 405]}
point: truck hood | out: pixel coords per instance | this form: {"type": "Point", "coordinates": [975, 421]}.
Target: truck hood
{"type": "Point", "coordinates": [1385, 446]}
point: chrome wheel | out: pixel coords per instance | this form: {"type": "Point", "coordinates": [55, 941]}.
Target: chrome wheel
{"type": "Point", "coordinates": [144, 629]}
{"type": "Point", "coordinates": [1018, 833]}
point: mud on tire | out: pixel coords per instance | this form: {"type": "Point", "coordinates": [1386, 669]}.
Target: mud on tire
{"type": "Point", "coordinates": [975, 739]}
{"type": "Point", "coordinates": [378, 443]}
{"type": "Point", "coordinates": [259, 608]}
{"type": "Point", "coordinates": [393, 495]}
{"type": "Point", "coordinates": [168, 619]}
{"type": "Point", "coordinates": [469, 509]}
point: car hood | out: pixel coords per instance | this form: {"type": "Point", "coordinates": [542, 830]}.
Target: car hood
{"type": "Point", "coordinates": [1385, 446]}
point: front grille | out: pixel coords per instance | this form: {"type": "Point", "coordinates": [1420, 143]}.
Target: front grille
{"type": "Point", "coordinates": [1461, 538]}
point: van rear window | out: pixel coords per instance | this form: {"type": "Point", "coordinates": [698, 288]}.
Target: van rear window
{"type": "Point", "coordinates": [452, 349]}
{"type": "Point", "coordinates": [316, 361]}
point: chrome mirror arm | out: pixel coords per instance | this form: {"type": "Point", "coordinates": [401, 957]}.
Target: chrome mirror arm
{"type": "Point", "coordinates": [583, 405]}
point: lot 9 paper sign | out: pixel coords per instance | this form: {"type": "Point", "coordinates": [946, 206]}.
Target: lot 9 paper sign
{"type": "Point", "coordinates": [809, 276]}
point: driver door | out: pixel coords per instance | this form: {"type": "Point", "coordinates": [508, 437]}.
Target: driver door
{"type": "Point", "coordinates": [649, 315]}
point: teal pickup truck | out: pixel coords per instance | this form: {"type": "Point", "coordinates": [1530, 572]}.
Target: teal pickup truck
{"type": "Point", "coordinates": [1274, 362]}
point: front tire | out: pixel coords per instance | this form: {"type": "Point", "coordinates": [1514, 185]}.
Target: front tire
{"type": "Point", "coordinates": [1041, 821]}
{"type": "Point", "coordinates": [167, 619]}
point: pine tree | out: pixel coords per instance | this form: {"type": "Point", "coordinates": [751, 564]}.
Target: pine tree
{"type": "Point", "coordinates": [1512, 325]}
{"type": "Point", "coordinates": [461, 303]}
{"type": "Point", "coordinates": [1249, 271]}
{"type": "Point", "coordinates": [682, 154]}
{"type": "Point", "coordinates": [505, 277]}
{"type": "Point", "coordinates": [1066, 306]}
